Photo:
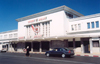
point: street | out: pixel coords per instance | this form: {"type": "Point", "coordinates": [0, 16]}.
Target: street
{"type": "Point", "coordinates": [19, 58]}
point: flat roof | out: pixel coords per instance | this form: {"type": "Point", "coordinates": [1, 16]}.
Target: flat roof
{"type": "Point", "coordinates": [8, 31]}
{"type": "Point", "coordinates": [65, 8]}
{"type": "Point", "coordinates": [86, 17]}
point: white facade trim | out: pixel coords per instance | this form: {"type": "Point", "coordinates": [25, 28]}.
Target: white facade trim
{"type": "Point", "coordinates": [85, 17]}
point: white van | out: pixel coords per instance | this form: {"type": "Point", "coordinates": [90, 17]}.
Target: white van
{"type": "Point", "coordinates": [3, 47]}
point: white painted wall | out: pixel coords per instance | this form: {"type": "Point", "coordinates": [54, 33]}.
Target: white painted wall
{"type": "Point", "coordinates": [84, 30]}
{"type": "Point", "coordinates": [56, 24]}
{"type": "Point", "coordinates": [8, 38]}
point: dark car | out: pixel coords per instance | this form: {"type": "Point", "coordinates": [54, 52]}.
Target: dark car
{"type": "Point", "coordinates": [63, 52]}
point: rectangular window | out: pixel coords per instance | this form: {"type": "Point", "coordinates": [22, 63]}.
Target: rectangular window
{"type": "Point", "coordinates": [75, 26]}
{"type": "Point", "coordinates": [88, 25]}
{"type": "Point", "coordinates": [72, 27]}
{"type": "Point", "coordinates": [15, 35]}
{"type": "Point", "coordinates": [79, 26]}
{"type": "Point", "coordinates": [95, 43]}
{"type": "Point", "coordinates": [5, 36]}
{"type": "Point", "coordinates": [97, 24]}
{"type": "Point", "coordinates": [92, 24]}
{"type": "Point", "coordinates": [10, 35]}
{"type": "Point", "coordinates": [0, 36]}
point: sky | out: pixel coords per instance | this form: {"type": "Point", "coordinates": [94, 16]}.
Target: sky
{"type": "Point", "coordinates": [10, 10]}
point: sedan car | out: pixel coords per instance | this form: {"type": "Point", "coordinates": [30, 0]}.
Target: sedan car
{"type": "Point", "coordinates": [63, 52]}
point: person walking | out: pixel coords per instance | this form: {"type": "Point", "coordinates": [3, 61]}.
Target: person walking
{"type": "Point", "coordinates": [27, 51]}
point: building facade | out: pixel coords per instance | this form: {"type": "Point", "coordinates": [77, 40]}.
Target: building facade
{"type": "Point", "coordinates": [8, 37]}
{"type": "Point", "coordinates": [58, 27]}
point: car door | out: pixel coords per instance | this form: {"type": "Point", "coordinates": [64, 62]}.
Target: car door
{"type": "Point", "coordinates": [53, 52]}
{"type": "Point", "coordinates": [58, 52]}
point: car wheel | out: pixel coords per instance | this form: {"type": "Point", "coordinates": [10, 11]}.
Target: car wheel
{"type": "Point", "coordinates": [63, 55]}
{"type": "Point", "coordinates": [47, 54]}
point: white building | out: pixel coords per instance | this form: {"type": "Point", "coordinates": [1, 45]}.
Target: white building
{"type": "Point", "coordinates": [8, 37]}
{"type": "Point", "coordinates": [59, 27]}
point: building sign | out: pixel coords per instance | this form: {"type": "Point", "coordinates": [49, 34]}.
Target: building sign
{"type": "Point", "coordinates": [36, 20]}
{"type": "Point", "coordinates": [38, 36]}
{"type": "Point", "coordinates": [21, 37]}
{"type": "Point", "coordinates": [36, 29]}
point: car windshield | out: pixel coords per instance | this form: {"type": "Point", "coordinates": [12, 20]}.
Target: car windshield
{"type": "Point", "coordinates": [66, 49]}
{"type": "Point", "coordinates": [4, 46]}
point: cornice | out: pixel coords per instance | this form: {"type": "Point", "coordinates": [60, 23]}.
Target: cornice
{"type": "Point", "coordinates": [48, 12]}
{"type": "Point", "coordinates": [85, 17]}
{"type": "Point", "coordinates": [9, 31]}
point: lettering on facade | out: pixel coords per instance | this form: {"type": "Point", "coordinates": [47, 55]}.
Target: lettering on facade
{"type": "Point", "coordinates": [35, 20]}
{"type": "Point", "coordinates": [21, 37]}
{"type": "Point", "coordinates": [37, 36]}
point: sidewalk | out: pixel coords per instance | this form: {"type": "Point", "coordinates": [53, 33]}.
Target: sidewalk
{"type": "Point", "coordinates": [87, 54]}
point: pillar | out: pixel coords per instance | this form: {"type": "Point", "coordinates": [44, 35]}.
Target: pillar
{"type": "Point", "coordinates": [40, 50]}
{"type": "Point", "coordinates": [31, 46]}
{"type": "Point", "coordinates": [90, 42]}
{"type": "Point", "coordinates": [73, 42]}
{"type": "Point", "coordinates": [11, 47]}
{"type": "Point", "coordinates": [82, 47]}
{"type": "Point", "coordinates": [99, 44]}
{"type": "Point", "coordinates": [67, 43]}
{"type": "Point", "coordinates": [50, 44]}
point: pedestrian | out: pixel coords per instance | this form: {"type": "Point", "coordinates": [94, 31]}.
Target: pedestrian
{"type": "Point", "coordinates": [27, 51]}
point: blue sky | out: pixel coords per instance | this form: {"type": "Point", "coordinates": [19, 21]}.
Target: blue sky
{"type": "Point", "coordinates": [14, 9]}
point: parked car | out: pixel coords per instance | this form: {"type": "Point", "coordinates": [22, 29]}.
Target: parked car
{"type": "Point", "coordinates": [3, 47]}
{"type": "Point", "coordinates": [63, 52]}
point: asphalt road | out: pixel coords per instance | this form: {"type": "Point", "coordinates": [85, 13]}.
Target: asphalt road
{"type": "Point", "coordinates": [19, 58]}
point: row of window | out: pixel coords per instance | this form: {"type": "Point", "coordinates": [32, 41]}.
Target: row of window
{"type": "Point", "coordinates": [76, 27]}
{"type": "Point", "coordinates": [93, 24]}
{"type": "Point", "coordinates": [89, 25]}
{"type": "Point", "coordinates": [10, 36]}
{"type": "Point", "coordinates": [69, 15]}
{"type": "Point", "coordinates": [39, 29]}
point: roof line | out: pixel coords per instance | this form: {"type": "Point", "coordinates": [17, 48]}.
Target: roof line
{"type": "Point", "coordinates": [8, 31]}
{"type": "Point", "coordinates": [47, 12]}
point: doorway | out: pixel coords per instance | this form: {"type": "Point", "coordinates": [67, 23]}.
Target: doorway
{"type": "Point", "coordinates": [36, 46]}
{"type": "Point", "coordinates": [45, 46]}
{"type": "Point", "coordinates": [86, 46]}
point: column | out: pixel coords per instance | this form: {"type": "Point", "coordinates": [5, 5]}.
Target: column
{"type": "Point", "coordinates": [40, 50]}
{"type": "Point", "coordinates": [73, 42]}
{"type": "Point", "coordinates": [99, 44]}
{"type": "Point", "coordinates": [50, 44]}
{"type": "Point", "coordinates": [82, 47]}
{"type": "Point", "coordinates": [90, 42]}
{"type": "Point", "coordinates": [31, 46]}
{"type": "Point", "coordinates": [26, 32]}
{"type": "Point", "coordinates": [11, 47]}
{"type": "Point", "coordinates": [67, 43]}
{"type": "Point", "coordinates": [41, 29]}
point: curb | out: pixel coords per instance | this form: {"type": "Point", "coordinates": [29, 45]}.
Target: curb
{"type": "Point", "coordinates": [88, 55]}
